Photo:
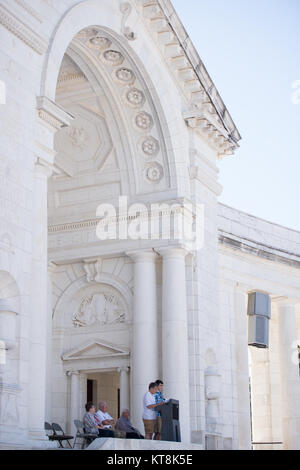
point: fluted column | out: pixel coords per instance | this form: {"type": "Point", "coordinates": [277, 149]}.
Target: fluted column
{"type": "Point", "coordinates": [175, 358]}
{"type": "Point", "coordinates": [242, 369]}
{"type": "Point", "coordinates": [144, 360]}
{"type": "Point", "coordinates": [75, 400]}
{"type": "Point", "coordinates": [38, 321]}
{"type": "Point", "coordinates": [289, 371]}
{"type": "Point", "coordinates": [124, 388]}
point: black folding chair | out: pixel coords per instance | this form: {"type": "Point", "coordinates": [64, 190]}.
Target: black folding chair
{"type": "Point", "coordinates": [81, 434]}
{"type": "Point", "coordinates": [60, 436]}
{"type": "Point", "coordinates": [50, 432]}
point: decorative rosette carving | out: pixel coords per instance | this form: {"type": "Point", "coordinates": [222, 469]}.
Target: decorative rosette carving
{"type": "Point", "coordinates": [125, 76]}
{"type": "Point", "coordinates": [154, 172]}
{"type": "Point", "coordinates": [150, 146]}
{"type": "Point", "coordinates": [99, 42]}
{"type": "Point", "coordinates": [87, 33]}
{"type": "Point", "coordinates": [113, 57]}
{"type": "Point", "coordinates": [143, 121]}
{"type": "Point", "coordinates": [135, 97]}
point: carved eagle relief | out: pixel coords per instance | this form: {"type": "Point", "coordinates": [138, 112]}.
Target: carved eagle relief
{"type": "Point", "coordinates": [102, 308]}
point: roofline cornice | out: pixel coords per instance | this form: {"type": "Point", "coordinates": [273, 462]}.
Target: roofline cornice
{"type": "Point", "coordinates": [199, 89]}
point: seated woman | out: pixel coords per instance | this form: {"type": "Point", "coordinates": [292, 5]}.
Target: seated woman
{"type": "Point", "coordinates": [91, 425]}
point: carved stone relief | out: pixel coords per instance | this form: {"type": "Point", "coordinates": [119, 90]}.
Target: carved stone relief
{"type": "Point", "coordinates": [144, 121]}
{"type": "Point", "coordinates": [99, 42]}
{"type": "Point", "coordinates": [154, 172]}
{"type": "Point", "coordinates": [133, 96]}
{"type": "Point", "coordinates": [150, 146]}
{"type": "Point", "coordinates": [125, 76]}
{"type": "Point", "coordinates": [103, 308]}
{"type": "Point", "coordinates": [113, 57]}
{"type": "Point", "coordinates": [78, 136]}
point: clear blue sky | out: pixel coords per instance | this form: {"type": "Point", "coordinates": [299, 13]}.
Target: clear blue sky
{"type": "Point", "coordinates": [251, 49]}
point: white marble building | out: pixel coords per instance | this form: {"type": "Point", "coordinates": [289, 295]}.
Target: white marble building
{"type": "Point", "coordinates": [101, 99]}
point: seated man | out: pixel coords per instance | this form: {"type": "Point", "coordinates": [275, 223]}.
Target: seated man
{"type": "Point", "coordinates": [124, 424]}
{"type": "Point", "coordinates": [103, 417]}
{"type": "Point", "coordinates": [91, 425]}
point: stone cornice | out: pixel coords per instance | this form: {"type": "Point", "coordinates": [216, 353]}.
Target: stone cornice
{"type": "Point", "coordinates": [212, 130]}
{"type": "Point", "coordinates": [52, 114]}
{"type": "Point", "coordinates": [154, 211]}
{"type": "Point", "coordinates": [29, 10]}
{"type": "Point", "coordinates": [261, 250]}
{"type": "Point", "coordinates": [22, 31]}
{"type": "Point", "coordinates": [190, 71]}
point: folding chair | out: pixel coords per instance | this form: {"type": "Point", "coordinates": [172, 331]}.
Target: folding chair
{"type": "Point", "coordinates": [60, 436]}
{"type": "Point", "coordinates": [81, 434]}
{"type": "Point", "coordinates": [50, 432]}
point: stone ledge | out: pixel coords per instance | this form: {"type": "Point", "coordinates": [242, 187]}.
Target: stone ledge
{"type": "Point", "coordinates": [140, 444]}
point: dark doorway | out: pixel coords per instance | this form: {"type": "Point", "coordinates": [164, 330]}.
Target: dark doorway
{"type": "Point", "coordinates": [89, 393]}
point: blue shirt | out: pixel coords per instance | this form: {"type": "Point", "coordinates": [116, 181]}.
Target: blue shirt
{"type": "Point", "coordinates": [158, 399]}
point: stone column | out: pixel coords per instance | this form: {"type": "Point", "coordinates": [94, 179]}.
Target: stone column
{"type": "Point", "coordinates": [74, 401]}
{"type": "Point", "coordinates": [175, 357]}
{"type": "Point", "coordinates": [144, 361]}
{"type": "Point", "coordinates": [289, 371]}
{"type": "Point", "coordinates": [38, 320]}
{"type": "Point", "coordinates": [124, 388]}
{"type": "Point", "coordinates": [242, 369]}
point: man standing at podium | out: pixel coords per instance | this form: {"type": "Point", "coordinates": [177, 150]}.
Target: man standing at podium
{"type": "Point", "coordinates": [149, 415]}
{"type": "Point", "coordinates": [159, 399]}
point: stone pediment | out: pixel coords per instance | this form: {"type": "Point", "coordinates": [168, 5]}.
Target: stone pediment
{"type": "Point", "coordinates": [95, 350]}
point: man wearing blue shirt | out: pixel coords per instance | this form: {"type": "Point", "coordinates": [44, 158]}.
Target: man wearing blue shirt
{"type": "Point", "coordinates": [159, 398]}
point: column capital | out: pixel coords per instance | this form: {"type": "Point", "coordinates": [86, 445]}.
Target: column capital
{"type": "Point", "coordinates": [144, 256]}
{"type": "Point", "coordinates": [69, 373]}
{"type": "Point", "coordinates": [123, 369]}
{"type": "Point", "coordinates": [173, 252]}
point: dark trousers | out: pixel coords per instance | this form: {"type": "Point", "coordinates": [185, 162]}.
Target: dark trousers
{"type": "Point", "coordinates": [134, 435]}
{"type": "Point", "coordinates": [105, 433]}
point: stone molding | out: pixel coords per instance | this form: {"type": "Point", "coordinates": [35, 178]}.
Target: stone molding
{"type": "Point", "coordinates": [151, 154]}
{"type": "Point", "coordinates": [22, 31]}
{"type": "Point", "coordinates": [263, 251]}
{"type": "Point", "coordinates": [78, 352]}
{"type": "Point", "coordinates": [29, 10]}
{"type": "Point", "coordinates": [149, 215]}
{"type": "Point", "coordinates": [52, 114]}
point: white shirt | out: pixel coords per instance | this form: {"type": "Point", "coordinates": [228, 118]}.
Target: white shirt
{"type": "Point", "coordinates": [103, 417]}
{"type": "Point", "coordinates": [149, 413]}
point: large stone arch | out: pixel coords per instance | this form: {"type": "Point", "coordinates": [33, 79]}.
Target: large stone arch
{"type": "Point", "coordinates": [87, 14]}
